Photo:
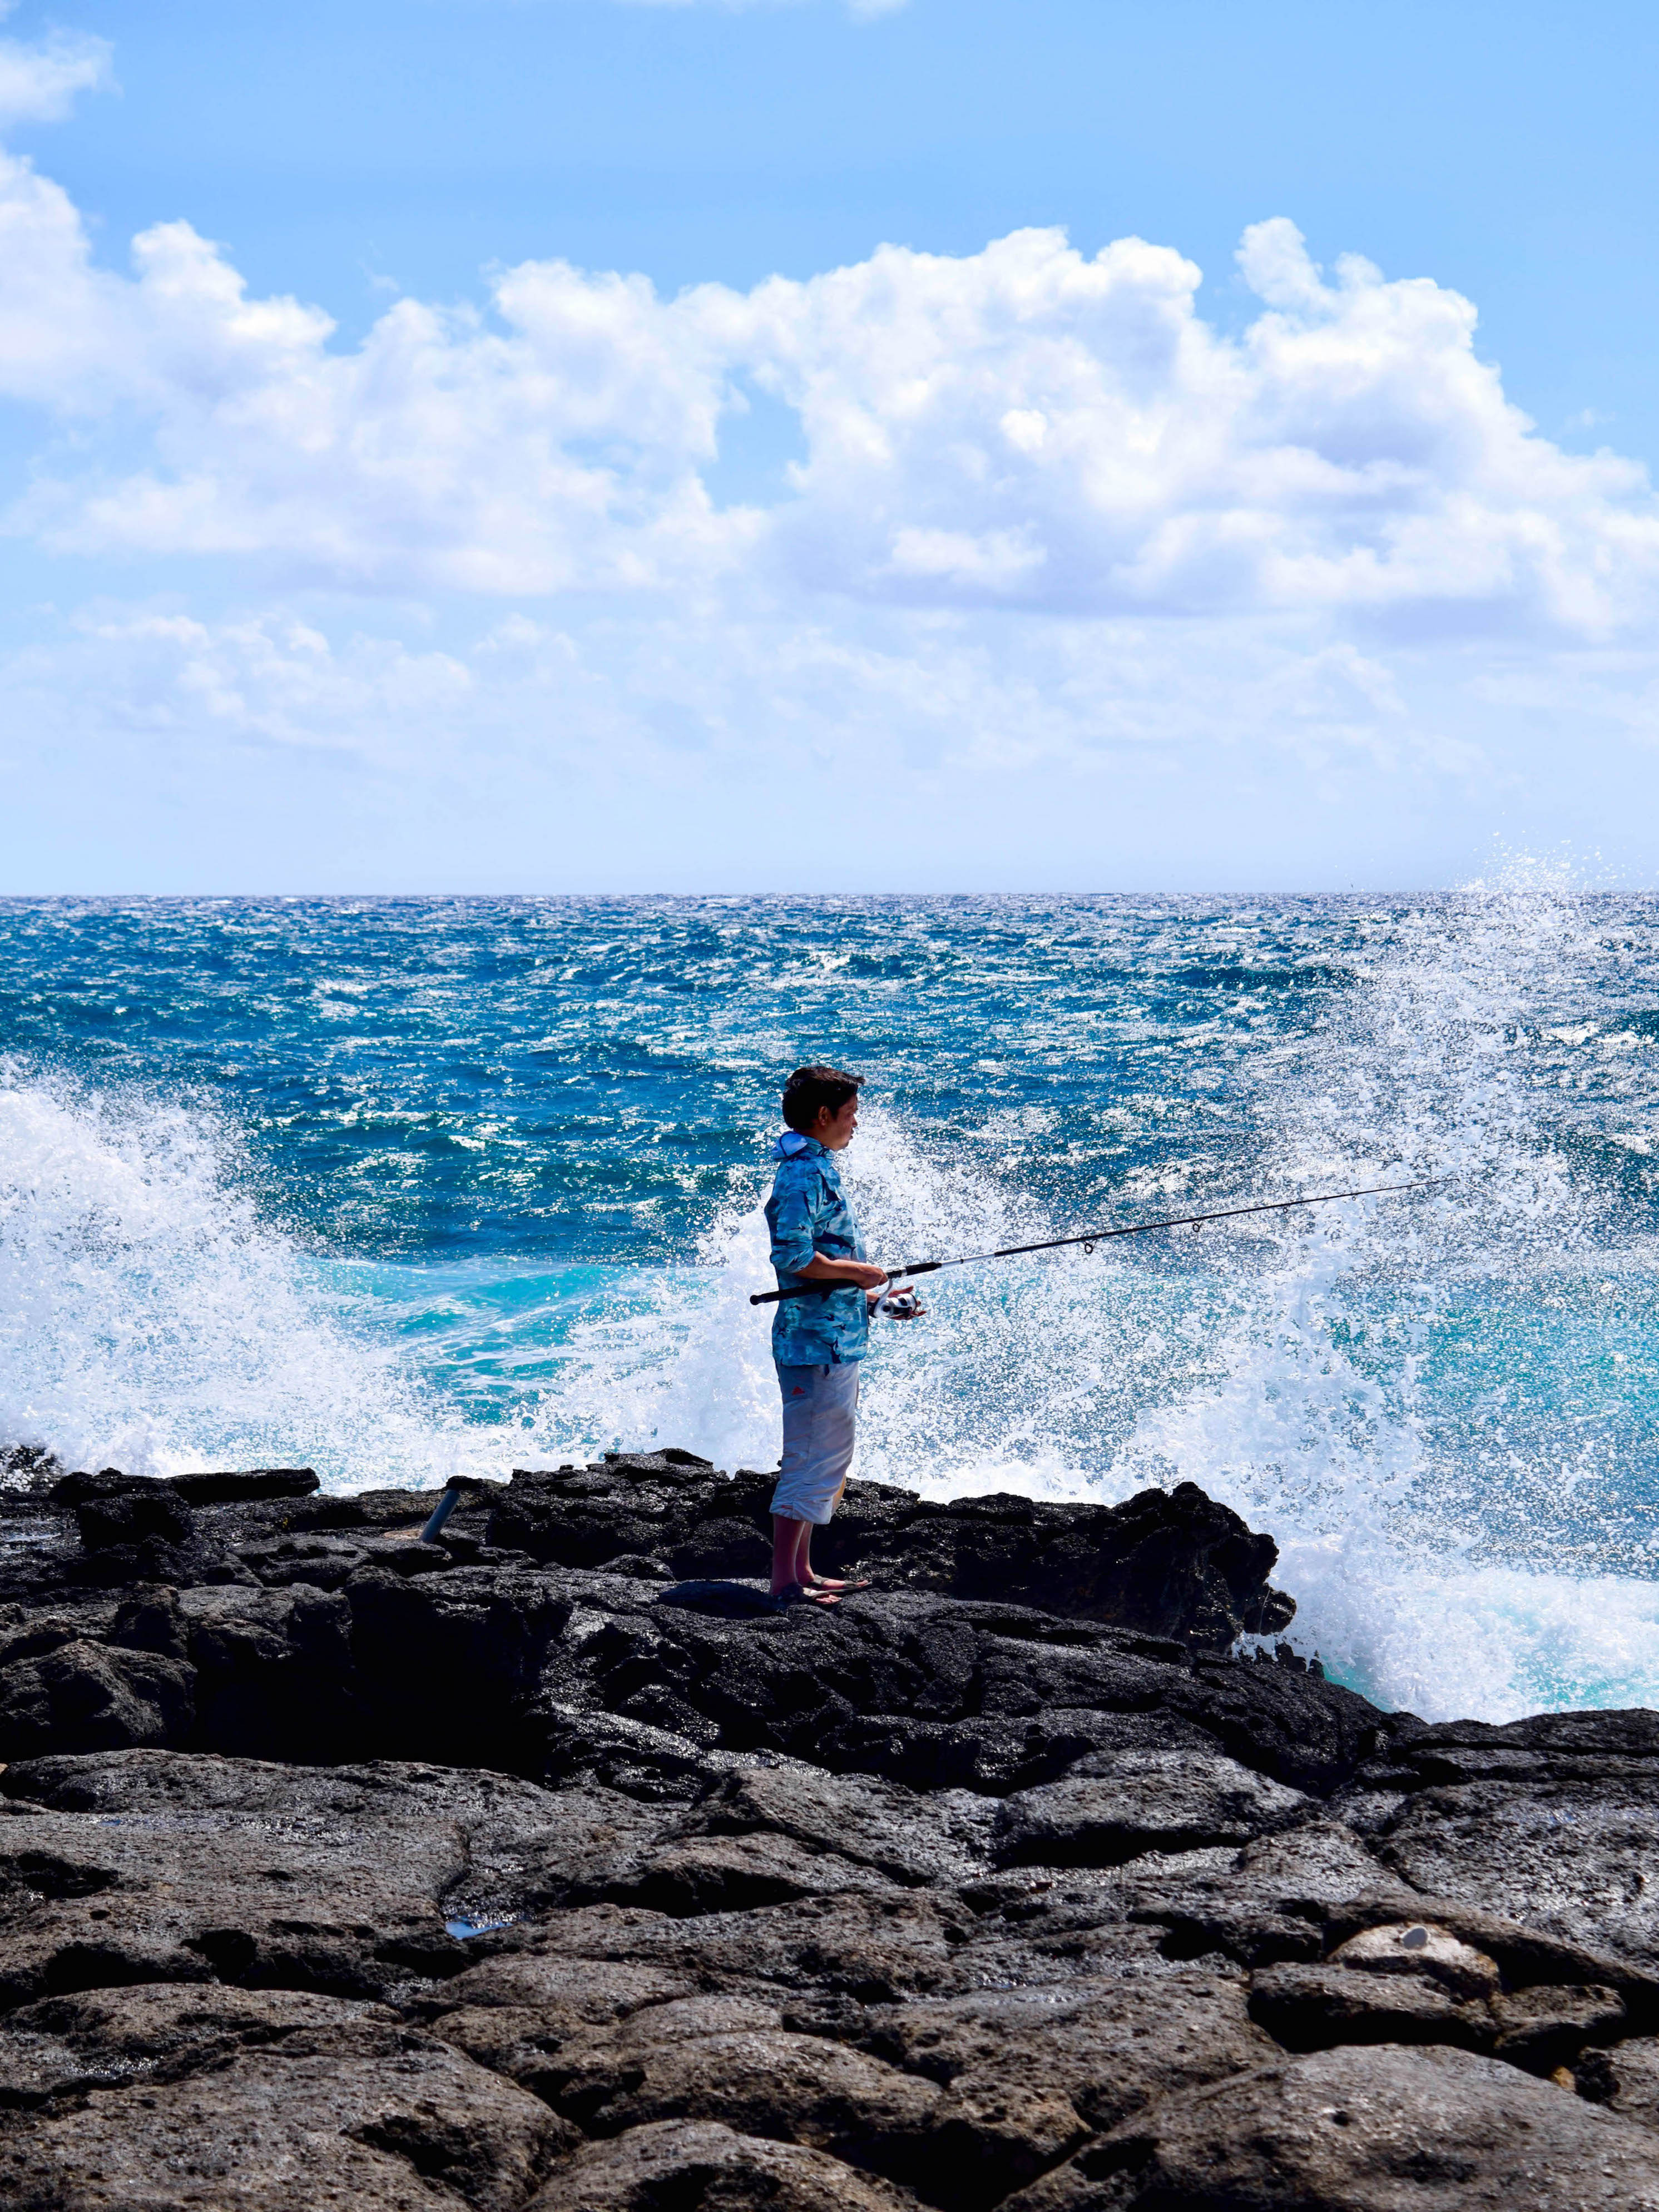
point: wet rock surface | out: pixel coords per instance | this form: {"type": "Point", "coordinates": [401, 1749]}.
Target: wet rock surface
{"type": "Point", "coordinates": [337, 1866]}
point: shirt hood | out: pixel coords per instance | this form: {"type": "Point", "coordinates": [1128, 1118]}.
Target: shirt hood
{"type": "Point", "coordinates": [790, 1145]}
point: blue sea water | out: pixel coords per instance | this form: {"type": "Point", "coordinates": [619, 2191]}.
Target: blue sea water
{"type": "Point", "coordinates": [402, 1187]}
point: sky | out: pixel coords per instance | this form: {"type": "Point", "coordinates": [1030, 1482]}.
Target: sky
{"type": "Point", "coordinates": [572, 446]}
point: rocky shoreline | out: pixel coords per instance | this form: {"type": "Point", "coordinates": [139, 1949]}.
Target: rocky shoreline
{"type": "Point", "coordinates": [543, 1866]}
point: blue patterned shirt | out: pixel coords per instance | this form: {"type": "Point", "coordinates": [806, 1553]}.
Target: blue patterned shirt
{"type": "Point", "coordinates": [807, 1213]}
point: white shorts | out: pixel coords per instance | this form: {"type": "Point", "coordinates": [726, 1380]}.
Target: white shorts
{"type": "Point", "coordinates": [820, 1410]}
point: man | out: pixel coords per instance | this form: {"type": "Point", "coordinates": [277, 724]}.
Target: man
{"type": "Point", "coordinates": [817, 1341]}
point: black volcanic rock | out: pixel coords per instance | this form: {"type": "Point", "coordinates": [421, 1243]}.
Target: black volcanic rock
{"type": "Point", "coordinates": [1168, 1562]}
{"type": "Point", "coordinates": [134, 1515]}
{"type": "Point", "coordinates": [239, 1486]}
{"type": "Point", "coordinates": [508, 1871]}
{"type": "Point", "coordinates": [1435, 2130]}
{"type": "Point", "coordinates": [133, 1530]}
{"type": "Point", "coordinates": [82, 1695]}
{"type": "Point", "coordinates": [258, 2102]}
{"type": "Point", "coordinates": [702, 2163]}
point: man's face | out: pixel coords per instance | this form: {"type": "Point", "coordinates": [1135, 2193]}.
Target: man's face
{"type": "Point", "coordinates": [835, 1131]}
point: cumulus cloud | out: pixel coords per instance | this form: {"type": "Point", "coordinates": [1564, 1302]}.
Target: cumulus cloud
{"type": "Point", "coordinates": [1023, 426]}
{"type": "Point", "coordinates": [1059, 562]}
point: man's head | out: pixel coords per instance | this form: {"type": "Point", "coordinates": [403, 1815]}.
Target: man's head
{"type": "Point", "coordinates": [823, 1102]}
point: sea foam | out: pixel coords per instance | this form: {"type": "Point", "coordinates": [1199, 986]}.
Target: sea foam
{"type": "Point", "coordinates": [1441, 1404]}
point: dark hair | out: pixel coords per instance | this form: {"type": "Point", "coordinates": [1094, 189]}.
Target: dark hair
{"type": "Point", "coordinates": [810, 1090]}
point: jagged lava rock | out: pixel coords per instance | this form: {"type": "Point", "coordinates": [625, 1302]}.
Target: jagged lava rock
{"type": "Point", "coordinates": [339, 1866]}
{"type": "Point", "coordinates": [1171, 1563]}
{"type": "Point", "coordinates": [266, 2104]}
{"type": "Point", "coordinates": [1386, 2130]}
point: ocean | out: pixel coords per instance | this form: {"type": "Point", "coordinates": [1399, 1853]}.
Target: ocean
{"type": "Point", "coordinates": [403, 1188]}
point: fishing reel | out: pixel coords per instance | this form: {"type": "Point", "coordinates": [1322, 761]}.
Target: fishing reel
{"type": "Point", "coordinates": [899, 1304]}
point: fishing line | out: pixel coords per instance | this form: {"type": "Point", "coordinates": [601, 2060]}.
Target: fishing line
{"type": "Point", "coordinates": [1093, 1236]}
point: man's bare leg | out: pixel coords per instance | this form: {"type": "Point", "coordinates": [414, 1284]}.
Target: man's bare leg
{"type": "Point", "coordinates": [828, 1582]}
{"type": "Point", "coordinates": [791, 1564]}
{"type": "Point", "coordinates": [785, 1541]}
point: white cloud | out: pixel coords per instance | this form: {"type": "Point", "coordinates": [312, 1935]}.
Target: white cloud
{"type": "Point", "coordinates": [1024, 426]}
{"type": "Point", "coordinates": [1066, 584]}
{"type": "Point", "coordinates": [994, 560]}
{"type": "Point", "coordinates": [755, 746]}
{"type": "Point", "coordinates": [37, 83]}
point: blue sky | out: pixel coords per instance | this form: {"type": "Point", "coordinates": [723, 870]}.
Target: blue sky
{"type": "Point", "coordinates": [1508, 152]}
{"type": "Point", "coordinates": [989, 564]}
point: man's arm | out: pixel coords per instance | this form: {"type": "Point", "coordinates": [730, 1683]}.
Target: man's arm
{"type": "Point", "coordinates": [795, 1216]}
{"type": "Point", "coordinates": [860, 1272]}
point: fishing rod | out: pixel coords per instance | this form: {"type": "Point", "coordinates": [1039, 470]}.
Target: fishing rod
{"type": "Point", "coordinates": [1094, 1236]}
